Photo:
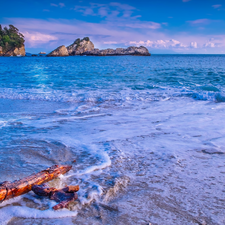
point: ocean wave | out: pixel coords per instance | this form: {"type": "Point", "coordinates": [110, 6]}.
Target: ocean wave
{"type": "Point", "coordinates": [209, 96]}
{"type": "Point", "coordinates": [115, 97]}
{"type": "Point", "coordinates": [98, 96]}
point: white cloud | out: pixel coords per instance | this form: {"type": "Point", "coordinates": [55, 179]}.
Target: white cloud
{"type": "Point", "coordinates": [110, 42]}
{"type": "Point", "coordinates": [37, 38]}
{"type": "Point", "coordinates": [142, 25]}
{"type": "Point", "coordinates": [52, 4]}
{"type": "Point", "coordinates": [199, 21]}
{"type": "Point", "coordinates": [102, 11]}
{"type": "Point", "coordinates": [58, 5]}
{"type": "Point", "coordinates": [161, 44]}
{"type": "Point", "coordinates": [117, 13]}
{"type": "Point", "coordinates": [177, 45]}
{"type": "Point", "coordinates": [210, 45]}
{"type": "Point", "coordinates": [61, 4]}
{"type": "Point", "coordinates": [214, 43]}
{"type": "Point", "coordinates": [216, 6]}
{"type": "Point", "coordinates": [194, 44]}
{"type": "Point", "coordinates": [112, 9]}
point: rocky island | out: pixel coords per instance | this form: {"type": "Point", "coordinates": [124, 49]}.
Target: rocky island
{"type": "Point", "coordinates": [11, 42]}
{"type": "Point", "coordinates": [79, 47]}
{"type": "Point", "coordinates": [135, 51]}
{"type": "Point", "coordinates": [86, 47]}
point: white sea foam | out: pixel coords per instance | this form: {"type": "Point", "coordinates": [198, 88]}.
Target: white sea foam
{"type": "Point", "coordinates": [7, 213]}
{"type": "Point", "coordinates": [2, 123]}
{"type": "Point", "coordinates": [106, 162]}
{"type": "Point", "coordinates": [99, 97]}
{"type": "Point", "coordinates": [22, 211]}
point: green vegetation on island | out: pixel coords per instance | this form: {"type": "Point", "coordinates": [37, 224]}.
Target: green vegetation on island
{"type": "Point", "coordinates": [10, 38]}
{"type": "Point", "coordinates": [78, 41]}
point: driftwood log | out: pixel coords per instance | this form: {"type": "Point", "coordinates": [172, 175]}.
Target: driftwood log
{"type": "Point", "coordinates": [63, 196]}
{"type": "Point", "coordinates": [19, 187]}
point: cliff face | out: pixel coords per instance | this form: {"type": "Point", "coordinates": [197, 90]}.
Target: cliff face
{"type": "Point", "coordinates": [60, 51]}
{"type": "Point", "coordinates": [13, 52]}
{"type": "Point", "coordinates": [80, 46]}
{"type": "Point", "coordinates": [19, 51]}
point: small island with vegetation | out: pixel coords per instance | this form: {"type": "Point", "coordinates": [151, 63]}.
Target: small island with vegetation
{"type": "Point", "coordinates": [11, 41]}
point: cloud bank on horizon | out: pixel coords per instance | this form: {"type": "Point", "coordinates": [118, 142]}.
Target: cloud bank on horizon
{"type": "Point", "coordinates": [177, 26]}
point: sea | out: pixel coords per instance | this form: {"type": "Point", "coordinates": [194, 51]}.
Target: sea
{"type": "Point", "coordinates": [145, 137]}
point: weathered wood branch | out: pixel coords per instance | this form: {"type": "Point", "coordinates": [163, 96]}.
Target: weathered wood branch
{"type": "Point", "coordinates": [63, 196]}
{"type": "Point", "coordinates": [19, 187]}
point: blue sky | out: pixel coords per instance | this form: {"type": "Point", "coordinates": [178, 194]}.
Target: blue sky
{"type": "Point", "coordinates": [163, 26]}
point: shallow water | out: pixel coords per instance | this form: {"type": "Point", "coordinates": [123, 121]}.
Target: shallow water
{"type": "Point", "coordinates": [147, 134]}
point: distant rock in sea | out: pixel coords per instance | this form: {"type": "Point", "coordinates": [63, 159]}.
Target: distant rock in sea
{"type": "Point", "coordinates": [60, 51]}
{"type": "Point", "coordinates": [136, 51]}
{"type": "Point", "coordinates": [28, 54]}
{"type": "Point", "coordinates": [86, 47]}
{"type": "Point", "coordinates": [40, 54]}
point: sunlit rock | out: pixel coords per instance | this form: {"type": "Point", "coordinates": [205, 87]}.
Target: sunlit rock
{"type": "Point", "coordinates": [60, 51]}
{"type": "Point", "coordinates": [80, 46]}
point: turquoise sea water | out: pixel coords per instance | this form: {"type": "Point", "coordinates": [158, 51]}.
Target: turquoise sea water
{"type": "Point", "coordinates": [76, 75]}
{"type": "Point", "coordinates": [147, 134]}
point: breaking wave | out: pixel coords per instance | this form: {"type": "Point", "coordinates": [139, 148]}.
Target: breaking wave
{"type": "Point", "coordinates": [122, 96]}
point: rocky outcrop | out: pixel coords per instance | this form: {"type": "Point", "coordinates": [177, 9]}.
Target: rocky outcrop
{"type": "Point", "coordinates": [13, 52]}
{"type": "Point", "coordinates": [86, 47]}
{"type": "Point", "coordinates": [60, 51]}
{"type": "Point", "coordinates": [19, 51]}
{"type": "Point", "coordinates": [77, 48]}
{"type": "Point", "coordinates": [136, 51]}
{"type": "Point", "coordinates": [80, 46]}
